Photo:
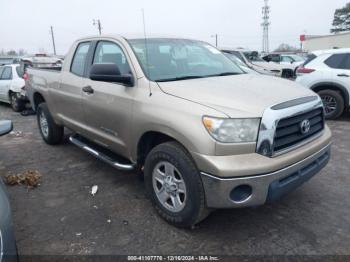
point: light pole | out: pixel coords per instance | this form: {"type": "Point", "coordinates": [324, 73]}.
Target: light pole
{"type": "Point", "coordinates": [216, 39]}
{"type": "Point", "coordinates": [98, 24]}
{"type": "Point", "coordinates": [53, 40]}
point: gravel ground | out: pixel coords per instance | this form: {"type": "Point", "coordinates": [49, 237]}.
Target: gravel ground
{"type": "Point", "coordinates": [61, 217]}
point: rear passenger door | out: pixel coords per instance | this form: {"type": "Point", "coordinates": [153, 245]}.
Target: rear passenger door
{"type": "Point", "coordinates": [67, 95]}
{"type": "Point", "coordinates": [340, 64]}
{"type": "Point", "coordinates": [108, 109]}
{"type": "Point", "coordinates": [5, 82]}
{"type": "Point", "coordinates": [345, 74]}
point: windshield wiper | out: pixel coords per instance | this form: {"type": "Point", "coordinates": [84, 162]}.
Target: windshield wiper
{"type": "Point", "coordinates": [225, 74]}
{"type": "Point", "coordinates": [178, 78]}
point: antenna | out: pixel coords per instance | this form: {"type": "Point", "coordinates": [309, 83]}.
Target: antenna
{"type": "Point", "coordinates": [146, 49]}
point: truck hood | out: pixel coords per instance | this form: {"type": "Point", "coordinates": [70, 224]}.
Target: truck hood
{"type": "Point", "coordinates": [243, 95]}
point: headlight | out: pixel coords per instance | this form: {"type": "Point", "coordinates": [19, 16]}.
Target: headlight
{"type": "Point", "coordinates": [227, 130]}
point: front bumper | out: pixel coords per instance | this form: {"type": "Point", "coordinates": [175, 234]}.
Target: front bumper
{"type": "Point", "coordinates": [259, 189]}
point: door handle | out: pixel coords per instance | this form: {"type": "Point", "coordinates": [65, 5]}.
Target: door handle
{"type": "Point", "coordinates": [343, 75]}
{"type": "Point", "coordinates": [88, 90]}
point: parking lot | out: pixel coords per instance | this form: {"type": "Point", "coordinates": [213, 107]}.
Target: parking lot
{"type": "Point", "coordinates": [62, 217]}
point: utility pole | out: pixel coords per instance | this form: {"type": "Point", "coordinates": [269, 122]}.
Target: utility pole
{"type": "Point", "coordinates": [216, 39]}
{"type": "Point", "coordinates": [53, 41]}
{"type": "Point", "coordinates": [98, 24]}
{"type": "Point", "coordinates": [265, 24]}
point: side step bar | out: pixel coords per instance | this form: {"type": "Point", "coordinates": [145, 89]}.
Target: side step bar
{"type": "Point", "coordinates": [96, 151]}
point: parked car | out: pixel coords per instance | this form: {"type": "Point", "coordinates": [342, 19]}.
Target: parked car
{"type": "Point", "coordinates": [41, 61]}
{"type": "Point", "coordinates": [8, 249]}
{"type": "Point", "coordinates": [240, 63]}
{"type": "Point", "coordinates": [253, 60]}
{"type": "Point", "coordinates": [327, 73]}
{"type": "Point", "coordinates": [292, 61]}
{"type": "Point", "coordinates": [8, 60]}
{"type": "Point", "coordinates": [205, 134]}
{"type": "Point", "coordinates": [12, 87]}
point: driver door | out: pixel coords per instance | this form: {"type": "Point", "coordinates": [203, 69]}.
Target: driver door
{"type": "Point", "coordinates": [108, 106]}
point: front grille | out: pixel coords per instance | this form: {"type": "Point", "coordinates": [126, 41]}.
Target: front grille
{"type": "Point", "coordinates": [289, 132]}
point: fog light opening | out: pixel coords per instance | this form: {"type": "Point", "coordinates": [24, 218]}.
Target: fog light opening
{"type": "Point", "coordinates": [241, 193]}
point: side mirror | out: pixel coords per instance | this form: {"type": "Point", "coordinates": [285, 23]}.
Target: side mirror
{"type": "Point", "coordinates": [110, 73]}
{"type": "Point", "coordinates": [5, 127]}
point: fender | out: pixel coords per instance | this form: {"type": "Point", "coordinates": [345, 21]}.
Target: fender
{"type": "Point", "coordinates": [336, 85]}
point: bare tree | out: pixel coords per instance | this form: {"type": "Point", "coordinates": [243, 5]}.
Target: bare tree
{"type": "Point", "coordinates": [12, 53]}
{"type": "Point", "coordinates": [286, 48]}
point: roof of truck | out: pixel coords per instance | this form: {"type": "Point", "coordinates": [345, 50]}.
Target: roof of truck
{"type": "Point", "coordinates": [135, 36]}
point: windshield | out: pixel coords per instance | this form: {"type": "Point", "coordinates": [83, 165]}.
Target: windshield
{"type": "Point", "coordinates": [253, 57]}
{"type": "Point", "coordinates": [235, 59]}
{"type": "Point", "coordinates": [178, 59]}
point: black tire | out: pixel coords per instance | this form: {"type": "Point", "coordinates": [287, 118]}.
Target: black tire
{"type": "Point", "coordinates": [287, 73]}
{"type": "Point", "coordinates": [16, 103]}
{"type": "Point", "coordinates": [53, 135]}
{"type": "Point", "coordinates": [194, 209]}
{"type": "Point", "coordinates": [339, 103]}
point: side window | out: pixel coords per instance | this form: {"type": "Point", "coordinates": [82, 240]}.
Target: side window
{"type": "Point", "coordinates": [347, 62]}
{"type": "Point", "coordinates": [286, 59]}
{"type": "Point", "coordinates": [1, 70]}
{"type": "Point", "coordinates": [336, 61]}
{"type": "Point", "coordinates": [7, 73]}
{"type": "Point", "coordinates": [79, 59]}
{"type": "Point", "coordinates": [108, 52]}
{"type": "Point", "coordinates": [275, 58]}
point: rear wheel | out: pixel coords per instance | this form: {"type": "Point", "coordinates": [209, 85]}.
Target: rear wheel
{"type": "Point", "coordinates": [174, 185]}
{"type": "Point", "coordinates": [333, 103]}
{"type": "Point", "coordinates": [16, 103]}
{"type": "Point", "coordinates": [49, 130]}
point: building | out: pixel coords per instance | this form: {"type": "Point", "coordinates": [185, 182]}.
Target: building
{"type": "Point", "coordinates": [313, 43]}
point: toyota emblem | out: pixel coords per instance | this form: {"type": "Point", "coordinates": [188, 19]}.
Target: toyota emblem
{"type": "Point", "coordinates": [305, 126]}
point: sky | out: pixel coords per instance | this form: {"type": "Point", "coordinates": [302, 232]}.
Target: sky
{"type": "Point", "coordinates": [26, 24]}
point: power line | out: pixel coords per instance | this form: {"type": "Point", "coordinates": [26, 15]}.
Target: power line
{"type": "Point", "coordinates": [265, 24]}
{"type": "Point", "coordinates": [98, 24]}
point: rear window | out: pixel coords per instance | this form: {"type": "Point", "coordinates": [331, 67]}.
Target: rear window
{"type": "Point", "coordinates": [347, 62]}
{"type": "Point", "coordinates": [309, 58]}
{"type": "Point", "coordinates": [336, 61]}
{"type": "Point", "coordinates": [6, 73]}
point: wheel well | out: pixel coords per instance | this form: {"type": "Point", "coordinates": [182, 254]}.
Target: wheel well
{"type": "Point", "coordinates": [287, 72]}
{"type": "Point", "coordinates": [10, 92]}
{"type": "Point", "coordinates": [38, 99]}
{"type": "Point", "coordinates": [341, 90]}
{"type": "Point", "coordinates": [147, 142]}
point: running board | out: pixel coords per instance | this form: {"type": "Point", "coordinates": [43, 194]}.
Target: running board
{"type": "Point", "coordinates": [101, 153]}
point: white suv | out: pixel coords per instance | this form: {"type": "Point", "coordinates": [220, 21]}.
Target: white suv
{"type": "Point", "coordinates": [328, 74]}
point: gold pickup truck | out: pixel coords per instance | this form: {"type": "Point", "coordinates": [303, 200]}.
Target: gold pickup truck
{"type": "Point", "coordinates": [203, 133]}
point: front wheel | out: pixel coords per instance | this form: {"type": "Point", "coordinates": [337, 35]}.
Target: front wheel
{"type": "Point", "coordinates": [174, 185]}
{"type": "Point", "coordinates": [16, 103]}
{"type": "Point", "coordinates": [333, 103]}
{"type": "Point", "coordinates": [49, 130]}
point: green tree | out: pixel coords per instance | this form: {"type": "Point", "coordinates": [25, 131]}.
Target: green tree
{"type": "Point", "coordinates": [341, 20]}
